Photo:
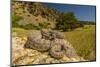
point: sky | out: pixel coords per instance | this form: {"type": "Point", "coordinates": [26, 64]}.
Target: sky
{"type": "Point", "coordinates": [82, 12]}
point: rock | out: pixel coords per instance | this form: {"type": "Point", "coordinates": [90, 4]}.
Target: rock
{"type": "Point", "coordinates": [17, 48]}
{"type": "Point", "coordinates": [74, 59]}
{"type": "Point", "coordinates": [49, 60]}
{"type": "Point", "coordinates": [65, 58]}
{"type": "Point", "coordinates": [55, 61]}
{"type": "Point", "coordinates": [37, 50]}
{"type": "Point", "coordinates": [14, 34]}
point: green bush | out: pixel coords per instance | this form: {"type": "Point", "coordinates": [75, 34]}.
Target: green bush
{"type": "Point", "coordinates": [67, 21]}
{"type": "Point", "coordinates": [43, 25]}
{"type": "Point", "coordinates": [15, 18]}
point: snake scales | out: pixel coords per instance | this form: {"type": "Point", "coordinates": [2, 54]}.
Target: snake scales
{"type": "Point", "coordinates": [51, 41]}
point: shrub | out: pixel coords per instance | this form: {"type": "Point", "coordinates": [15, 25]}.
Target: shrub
{"type": "Point", "coordinates": [43, 25]}
{"type": "Point", "coordinates": [15, 18]}
{"type": "Point", "coordinates": [67, 21]}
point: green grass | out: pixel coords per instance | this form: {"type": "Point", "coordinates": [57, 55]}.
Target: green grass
{"type": "Point", "coordinates": [20, 31]}
{"type": "Point", "coordinates": [83, 40]}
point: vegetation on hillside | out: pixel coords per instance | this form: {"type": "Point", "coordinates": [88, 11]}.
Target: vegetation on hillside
{"type": "Point", "coordinates": [61, 20]}
{"type": "Point", "coordinates": [65, 22]}
{"type": "Point", "coordinates": [15, 18]}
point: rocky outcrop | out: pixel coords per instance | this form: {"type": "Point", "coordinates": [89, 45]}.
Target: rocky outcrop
{"type": "Point", "coordinates": [35, 13]}
{"type": "Point", "coordinates": [25, 56]}
{"type": "Point", "coordinates": [35, 9]}
{"type": "Point", "coordinates": [51, 41]}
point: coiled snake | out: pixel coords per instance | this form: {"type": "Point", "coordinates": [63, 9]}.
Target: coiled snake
{"type": "Point", "coordinates": [51, 41]}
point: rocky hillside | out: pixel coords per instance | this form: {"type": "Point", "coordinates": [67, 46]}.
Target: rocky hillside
{"type": "Point", "coordinates": [34, 13]}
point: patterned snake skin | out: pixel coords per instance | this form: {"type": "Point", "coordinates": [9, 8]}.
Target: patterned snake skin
{"type": "Point", "coordinates": [51, 41]}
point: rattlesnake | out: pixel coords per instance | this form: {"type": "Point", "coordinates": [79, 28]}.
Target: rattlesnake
{"type": "Point", "coordinates": [51, 41]}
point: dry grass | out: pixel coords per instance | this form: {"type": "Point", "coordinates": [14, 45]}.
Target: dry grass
{"type": "Point", "coordinates": [83, 40]}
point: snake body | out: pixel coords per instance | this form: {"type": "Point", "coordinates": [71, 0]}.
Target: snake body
{"type": "Point", "coordinates": [57, 50]}
{"type": "Point", "coordinates": [51, 41]}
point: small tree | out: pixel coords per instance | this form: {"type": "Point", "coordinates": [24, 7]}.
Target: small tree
{"type": "Point", "coordinates": [67, 21]}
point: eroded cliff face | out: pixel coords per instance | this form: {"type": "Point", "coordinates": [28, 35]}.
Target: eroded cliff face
{"type": "Point", "coordinates": [35, 13]}
{"type": "Point", "coordinates": [22, 55]}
